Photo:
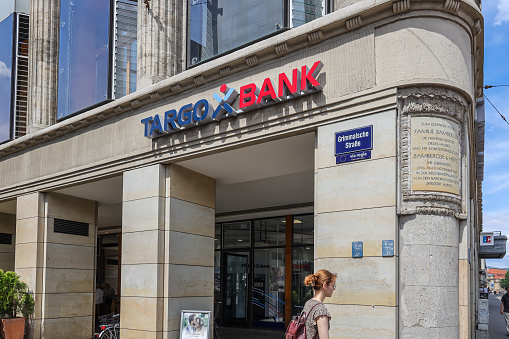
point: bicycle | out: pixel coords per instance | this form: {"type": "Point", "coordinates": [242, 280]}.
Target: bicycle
{"type": "Point", "coordinates": [110, 326]}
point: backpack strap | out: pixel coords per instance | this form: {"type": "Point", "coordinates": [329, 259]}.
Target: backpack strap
{"type": "Point", "coordinates": [305, 319]}
{"type": "Point", "coordinates": [306, 315]}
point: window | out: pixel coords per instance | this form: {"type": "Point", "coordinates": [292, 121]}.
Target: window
{"type": "Point", "coordinates": [21, 84]}
{"type": "Point", "coordinates": [304, 11]}
{"type": "Point", "coordinates": [6, 37]}
{"type": "Point", "coordinates": [302, 260]}
{"type": "Point", "coordinates": [90, 71]}
{"type": "Point", "coordinates": [125, 48]}
{"type": "Point", "coordinates": [13, 76]}
{"type": "Point", "coordinates": [219, 26]}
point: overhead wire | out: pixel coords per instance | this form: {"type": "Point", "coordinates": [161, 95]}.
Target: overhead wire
{"type": "Point", "coordinates": [491, 86]}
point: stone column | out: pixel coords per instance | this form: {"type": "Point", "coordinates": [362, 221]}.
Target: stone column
{"type": "Point", "coordinates": [356, 201]}
{"type": "Point", "coordinates": [58, 267]}
{"type": "Point", "coordinates": [161, 40]}
{"type": "Point", "coordinates": [432, 213]}
{"type": "Point", "coordinates": [43, 42]}
{"type": "Point", "coordinates": [7, 226]}
{"type": "Point", "coordinates": [167, 249]}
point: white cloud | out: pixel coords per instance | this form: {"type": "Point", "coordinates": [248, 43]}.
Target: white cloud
{"type": "Point", "coordinates": [502, 13]}
{"type": "Point", "coordinates": [495, 183]}
{"type": "Point", "coordinates": [4, 70]}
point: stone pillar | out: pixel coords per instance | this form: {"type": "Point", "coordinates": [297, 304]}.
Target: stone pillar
{"type": "Point", "coordinates": [432, 213]}
{"type": "Point", "coordinates": [161, 40]}
{"type": "Point", "coordinates": [7, 226]}
{"type": "Point", "coordinates": [43, 42]}
{"type": "Point", "coordinates": [168, 225]}
{"type": "Point", "coordinates": [58, 267]}
{"type": "Point", "coordinates": [356, 201]}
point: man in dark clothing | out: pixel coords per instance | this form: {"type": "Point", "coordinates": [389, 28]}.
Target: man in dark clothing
{"type": "Point", "coordinates": [504, 310]}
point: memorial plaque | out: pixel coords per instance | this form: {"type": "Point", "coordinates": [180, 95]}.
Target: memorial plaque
{"type": "Point", "coordinates": [435, 155]}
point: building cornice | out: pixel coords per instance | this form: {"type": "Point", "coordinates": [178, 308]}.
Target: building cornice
{"type": "Point", "coordinates": [361, 14]}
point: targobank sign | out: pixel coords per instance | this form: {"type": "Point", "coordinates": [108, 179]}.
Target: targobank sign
{"type": "Point", "coordinates": [298, 83]}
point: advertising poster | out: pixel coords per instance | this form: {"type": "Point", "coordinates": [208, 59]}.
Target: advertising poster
{"type": "Point", "coordinates": [277, 278]}
{"type": "Point", "coordinates": [195, 324]}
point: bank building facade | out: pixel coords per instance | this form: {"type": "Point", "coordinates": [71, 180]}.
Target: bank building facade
{"type": "Point", "coordinates": [209, 154]}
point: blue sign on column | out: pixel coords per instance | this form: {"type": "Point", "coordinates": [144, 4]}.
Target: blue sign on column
{"type": "Point", "coordinates": [354, 140]}
{"type": "Point", "coordinates": [356, 249]}
{"type": "Point", "coordinates": [354, 144]}
{"type": "Point", "coordinates": [387, 248]}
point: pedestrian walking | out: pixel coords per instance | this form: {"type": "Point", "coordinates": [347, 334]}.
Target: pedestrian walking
{"type": "Point", "coordinates": [504, 310]}
{"type": "Point", "coordinates": [323, 283]}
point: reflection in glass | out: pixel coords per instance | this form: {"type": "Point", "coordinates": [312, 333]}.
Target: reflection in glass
{"type": "Point", "coordinates": [217, 237]}
{"type": "Point", "coordinates": [306, 11]}
{"type": "Point", "coordinates": [303, 229]}
{"type": "Point", "coordinates": [269, 288]}
{"type": "Point", "coordinates": [217, 283]}
{"type": "Point", "coordinates": [126, 13]}
{"type": "Point", "coordinates": [269, 232]}
{"type": "Point", "coordinates": [302, 266]}
{"type": "Point", "coordinates": [220, 25]}
{"type": "Point", "coordinates": [6, 36]}
{"type": "Point", "coordinates": [236, 289]}
{"type": "Point", "coordinates": [83, 54]}
{"type": "Point", "coordinates": [237, 234]}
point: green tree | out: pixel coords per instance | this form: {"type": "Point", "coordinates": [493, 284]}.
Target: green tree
{"type": "Point", "coordinates": [505, 282]}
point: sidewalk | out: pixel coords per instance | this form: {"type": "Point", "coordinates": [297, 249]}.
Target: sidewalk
{"type": "Point", "coordinates": [236, 333]}
{"type": "Point", "coordinates": [497, 321]}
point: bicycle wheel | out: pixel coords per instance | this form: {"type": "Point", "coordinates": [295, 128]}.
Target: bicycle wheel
{"type": "Point", "coordinates": [106, 334]}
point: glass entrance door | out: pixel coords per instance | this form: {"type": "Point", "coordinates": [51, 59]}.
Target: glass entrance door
{"type": "Point", "coordinates": [236, 284]}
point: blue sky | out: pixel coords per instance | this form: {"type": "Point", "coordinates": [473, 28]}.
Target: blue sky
{"type": "Point", "coordinates": [496, 153]}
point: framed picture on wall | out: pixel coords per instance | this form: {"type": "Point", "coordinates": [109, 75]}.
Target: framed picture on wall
{"type": "Point", "coordinates": [195, 325]}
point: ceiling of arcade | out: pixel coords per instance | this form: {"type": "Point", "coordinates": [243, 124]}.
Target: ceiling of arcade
{"type": "Point", "coordinates": [274, 173]}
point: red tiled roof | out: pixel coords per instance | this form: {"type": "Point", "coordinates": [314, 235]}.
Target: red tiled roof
{"type": "Point", "coordinates": [498, 274]}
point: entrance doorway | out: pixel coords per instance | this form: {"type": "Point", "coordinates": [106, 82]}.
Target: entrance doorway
{"type": "Point", "coordinates": [259, 272]}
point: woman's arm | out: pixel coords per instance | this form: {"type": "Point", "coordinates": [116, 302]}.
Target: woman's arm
{"type": "Point", "coordinates": [322, 323]}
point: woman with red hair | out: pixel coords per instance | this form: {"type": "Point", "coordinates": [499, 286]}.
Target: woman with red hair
{"type": "Point", "coordinates": [323, 283]}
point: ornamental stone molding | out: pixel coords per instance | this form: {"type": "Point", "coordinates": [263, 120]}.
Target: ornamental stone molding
{"type": "Point", "coordinates": [199, 80]}
{"type": "Point", "coordinates": [315, 36]}
{"type": "Point", "coordinates": [353, 22]}
{"type": "Point", "coordinates": [251, 60]}
{"type": "Point", "coordinates": [224, 71]}
{"type": "Point", "coordinates": [431, 168]}
{"type": "Point", "coordinates": [400, 6]}
{"type": "Point", "coordinates": [452, 5]}
{"type": "Point", "coordinates": [281, 49]}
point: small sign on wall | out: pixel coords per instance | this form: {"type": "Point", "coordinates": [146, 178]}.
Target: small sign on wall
{"type": "Point", "coordinates": [354, 144]}
{"type": "Point", "coordinates": [387, 248]}
{"type": "Point", "coordinates": [357, 249]}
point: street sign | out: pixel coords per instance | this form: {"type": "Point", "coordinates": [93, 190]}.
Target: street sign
{"type": "Point", "coordinates": [354, 140]}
